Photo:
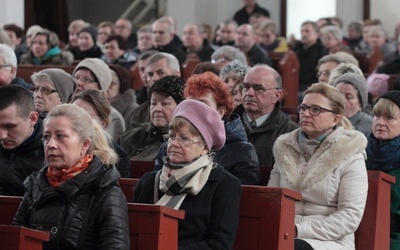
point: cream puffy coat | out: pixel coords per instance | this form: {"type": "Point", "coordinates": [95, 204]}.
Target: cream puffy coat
{"type": "Point", "coordinates": [333, 184]}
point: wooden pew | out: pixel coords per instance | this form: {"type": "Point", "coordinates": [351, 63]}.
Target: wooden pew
{"type": "Point", "coordinates": [369, 62]}
{"type": "Point", "coordinates": [153, 226]}
{"type": "Point", "coordinates": [275, 59]}
{"type": "Point", "coordinates": [21, 238]}
{"type": "Point", "coordinates": [128, 186]}
{"type": "Point", "coordinates": [136, 79]}
{"type": "Point", "coordinates": [289, 68]}
{"type": "Point", "coordinates": [25, 71]}
{"type": "Point", "coordinates": [8, 207]}
{"type": "Point", "coordinates": [374, 229]}
{"type": "Point", "coordinates": [139, 168]}
{"type": "Point", "coordinates": [266, 218]}
{"type": "Point", "coordinates": [188, 67]}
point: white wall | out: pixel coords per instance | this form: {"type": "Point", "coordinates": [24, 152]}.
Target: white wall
{"type": "Point", "coordinates": [388, 13]}
{"type": "Point", "coordinates": [12, 11]}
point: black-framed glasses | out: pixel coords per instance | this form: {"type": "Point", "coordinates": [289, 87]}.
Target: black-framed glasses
{"type": "Point", "coordinates": [84, 79]}
{"type": "Point", "coordinates": [314, 109]}
{"type": "Point", "coordinates": [44, 90]}
{"type": "Point", "coordinates": [183, 141]}
{"type": "Point", "coordinates": [258, 88]}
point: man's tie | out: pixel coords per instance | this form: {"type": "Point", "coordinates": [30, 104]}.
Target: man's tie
{"type": "Point", "coordinates": [253, 124]}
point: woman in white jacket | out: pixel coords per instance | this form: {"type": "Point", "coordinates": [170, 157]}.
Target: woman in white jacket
{"type": "Point", "coordinates": [324, 160]}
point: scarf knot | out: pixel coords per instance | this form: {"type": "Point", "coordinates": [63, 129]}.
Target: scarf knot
{"type": "Point", "coordinates": [57, 176]}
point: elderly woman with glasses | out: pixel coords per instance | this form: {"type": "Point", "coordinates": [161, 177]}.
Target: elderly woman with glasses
{"type": "Point", "coordinates": [191, 180]}
{"type": "Point", "coordinates": [324, 160]}
{"type": "Point", "coordinates": [51, 87]}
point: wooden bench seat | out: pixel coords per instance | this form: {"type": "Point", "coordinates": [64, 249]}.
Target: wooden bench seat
{"type": "Point", "coordinates": [26, 71]}
{"type": "Point", "coordinates": [139, 168]}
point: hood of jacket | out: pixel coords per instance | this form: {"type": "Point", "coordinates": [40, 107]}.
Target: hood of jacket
{"type": "Point", "coordinates": [234, 129]}
{"type": "Point", "coordinates": [338, 147]}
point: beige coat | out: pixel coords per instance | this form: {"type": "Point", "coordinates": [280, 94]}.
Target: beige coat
{"type": "Point", "coordinates": [333, 184]}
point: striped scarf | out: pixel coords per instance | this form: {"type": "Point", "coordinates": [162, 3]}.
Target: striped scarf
{"type": "Point", "coordinates": [176, 181]}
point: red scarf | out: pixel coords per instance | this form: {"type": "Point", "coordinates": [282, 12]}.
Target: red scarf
{"type": "Point", "coordinates": [56, 176]}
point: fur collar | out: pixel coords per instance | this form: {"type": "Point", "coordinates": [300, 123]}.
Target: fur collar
{"type": "Point", "coordinates": [338, 147]}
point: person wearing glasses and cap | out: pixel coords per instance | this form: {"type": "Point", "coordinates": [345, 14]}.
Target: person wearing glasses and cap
{"type": "Point", "coordinates": [324, 160]}
{"type": "Point", "coordinates": [261, 112]}
{"type": "Point", "coordinates": [51, 87]}
{"type": "Point", "coordinates": [191, 180]}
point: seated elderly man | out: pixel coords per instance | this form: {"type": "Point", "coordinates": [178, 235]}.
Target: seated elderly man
{"type": "Point", "coordinates": [8, 68]}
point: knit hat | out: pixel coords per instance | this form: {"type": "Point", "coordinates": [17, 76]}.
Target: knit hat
{"type": "Point", "coordinates": [205, 119]}
{"type": "Point", "coordinates": [377, 84]}
{"type": "Point", "coordinates": [125, 78]}
{"type": "Point", "coordinates": [63, 82]}
{"type": "Point", "coordinates": [359, 83]}
{"type": "Point", "coordinates": [99, 68]}
{"type": "Point", "coordinates": [169, 86]}
{"type": "Point", "coordinates": [236, 67]}
{"type": "Point", "coordinates": [92, 30]}
{"type": "Point", "coordinates": [392, 95]}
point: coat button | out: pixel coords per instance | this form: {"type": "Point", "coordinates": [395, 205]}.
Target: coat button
{"type": "Point", "coordinates": [53, 230]}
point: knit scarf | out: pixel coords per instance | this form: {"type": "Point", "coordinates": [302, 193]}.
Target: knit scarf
{"type": "Point", "coordinates": [176, 181]}
{"type": "Point", "coordinates": [56, 176]}
{"type": "Point", "coordinates": [383, 155]}
{"type": "Point", "coordinates": [309, 146]}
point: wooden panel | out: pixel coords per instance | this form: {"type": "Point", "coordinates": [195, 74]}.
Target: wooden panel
{"type": "Point", "coordinates": [153, 227]}
{"type": "Point", "coordinates": [374, 229]}
{"type": "Point", "coordinates": [21, 238]}
{"type": "Point", "coordinates": [128, 186]}
{"type": "Point", "coordinates": [9, 206]}
{"type": "Point", "coordinates": [289, 67]}
{"type": "Point", "coordinates": [266, 218]}
{"type": "Point", "coordinates": [139, 168]}
{"type": "Point", "coordinates": [26, 71]}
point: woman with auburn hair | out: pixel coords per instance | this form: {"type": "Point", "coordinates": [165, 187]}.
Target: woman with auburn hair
{"type": "Point", "coordinates": [238, 156]}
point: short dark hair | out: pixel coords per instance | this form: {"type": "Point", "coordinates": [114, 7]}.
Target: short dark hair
{"type": "Point", "coordinates": [122, 43]}
{"type": "Point", "coordinates": [19, 32]}
{"type": "Point", "coordinates": [15, 94]}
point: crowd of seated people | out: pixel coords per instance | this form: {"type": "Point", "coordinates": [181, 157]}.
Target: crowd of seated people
{"type": "Point", "coordinates": [235, 124]}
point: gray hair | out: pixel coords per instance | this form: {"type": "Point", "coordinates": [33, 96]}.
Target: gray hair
{"type": "Point", "coordinates": [230, 53]}
{"type": "Point", "coordinates": [338, 57]}
{"type": "Point", "coordinates": [236, 67]}
{"type": "Point", "coordinates": [7, 54]}
{"type": "Point", "coordinates": [342, 69]}
{"type": "Point", "coordinates": [334, 30]}
{"type": "Point", "coordinates": [172, 62]}
{"type": "Point", "coordinates": [144, 29]}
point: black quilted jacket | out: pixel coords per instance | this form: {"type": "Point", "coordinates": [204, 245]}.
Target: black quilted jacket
{"type": "Point", "coordinates": [93, 195]}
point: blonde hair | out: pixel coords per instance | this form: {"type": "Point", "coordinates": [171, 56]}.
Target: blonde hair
{"type": "Point", "coordinates": [336, 101]}
{"type": "Point", "coordinates": [386, 108]}
{"type": "Point", "coordinates": [87, 128]}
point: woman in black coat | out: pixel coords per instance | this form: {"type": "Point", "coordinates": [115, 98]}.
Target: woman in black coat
{"type": "Point", "coordinates": [76, 197]}
{"type": "Point", "coordinates": [192, 181]}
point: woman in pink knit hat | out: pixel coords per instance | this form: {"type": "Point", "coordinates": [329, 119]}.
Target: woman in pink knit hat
{"type": "Point", "coordinates": [192, 181]}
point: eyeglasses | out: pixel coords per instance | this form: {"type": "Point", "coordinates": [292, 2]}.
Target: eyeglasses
{"type": "Point", "coordinates": [219, 60]}
{"type": "Point", "coordinates": [258, 88]}
{"type": "Point", "coordinates": [183, 141]}
{"type": "Point", "coordinates": [324, 72]}
{"type": "Point", "coordinates": [314, 110]}
{"type": "Point", "coordinates": [84, 79]}
{"type": "Point", "coordinates": [5, 66]}
{"type": "Point", "coordinates": [44, 90]}
{"type": "Point", "coordinates": [114, 84]}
